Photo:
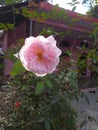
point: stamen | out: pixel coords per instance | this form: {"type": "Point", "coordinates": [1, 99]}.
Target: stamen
{"type": "Point", "coordinates": [40, 55]}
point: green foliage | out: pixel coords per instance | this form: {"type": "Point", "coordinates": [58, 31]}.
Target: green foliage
{"type": "Point", "coordinates": [45, 101]}
{"type": "Point", "coordinates": [89, 3]}
{"type": "Point", "coordinates": [93, 11]}
{"type": "Point", "coordinates": [73, 3]}
{"type": "Point", "coordinates": [93, 55]}
{"type": "Point", "coordinates": [55, 13]}
{"type": "Point", "coordinates": [17, 68]}
{"type": "Point", "coordinates": [90, 59]}
{"type": "Point", "coordinates": [93, 7]}
{"type": "Point", "coordinates": [48, 84]}
{"type": "Point", "coordinates": [48, 31]}
{"type": "Point", "coordinates": [7, 2]}
{"type": "Point", "coordinates": [7, 26]}
{"type": "Point", "coordinates": [39, 87]}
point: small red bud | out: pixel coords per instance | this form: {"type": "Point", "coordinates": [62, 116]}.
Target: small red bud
{"type": "Point", "coordinates": [17, 104]}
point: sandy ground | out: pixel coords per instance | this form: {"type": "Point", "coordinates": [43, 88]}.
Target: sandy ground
{"type": "Point", "coordinates": [87, 107]}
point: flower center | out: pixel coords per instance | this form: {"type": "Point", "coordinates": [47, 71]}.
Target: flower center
{"type": "Point", "coordinates": [40, 55]}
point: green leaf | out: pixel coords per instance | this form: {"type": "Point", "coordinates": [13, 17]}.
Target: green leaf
{"type": "Point", "coordinates": [10, 26]}
{"type": "Point", "coordinates": [39, 87]}
{"type": "Point", "coordinates": [73, 9]}
{"type": "Point", "coordinates": [17, 68]}
{"type": "Point", "coordinates": [9, 2]}
{"type": "Point", "coordinates": [49, 84]}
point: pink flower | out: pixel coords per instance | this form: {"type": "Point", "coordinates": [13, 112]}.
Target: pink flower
{"type": "Point", "coordinates": [40, 55]}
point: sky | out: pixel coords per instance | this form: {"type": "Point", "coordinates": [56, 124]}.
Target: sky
{"type": "Point", "coordinates": [63, 3]}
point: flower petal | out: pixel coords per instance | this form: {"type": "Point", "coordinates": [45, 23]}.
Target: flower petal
{"type": "Point", "coordinates": [52, 40]}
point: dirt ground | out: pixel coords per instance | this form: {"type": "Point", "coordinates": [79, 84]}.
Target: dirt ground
{"type": "Point", "coordinates": [8, 96]}
{"type": "Point", "coordinates": [87, 111]}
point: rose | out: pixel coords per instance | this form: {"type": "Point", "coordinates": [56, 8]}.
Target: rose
{"type": "Point", "coordinates": [40, 55]}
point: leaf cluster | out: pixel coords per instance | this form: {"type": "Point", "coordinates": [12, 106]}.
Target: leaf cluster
{"type": "Point", "coordinates": [45, 102]}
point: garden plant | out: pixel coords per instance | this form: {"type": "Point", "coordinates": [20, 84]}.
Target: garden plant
{"type": "Point", "coordinates": [44, 80]}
